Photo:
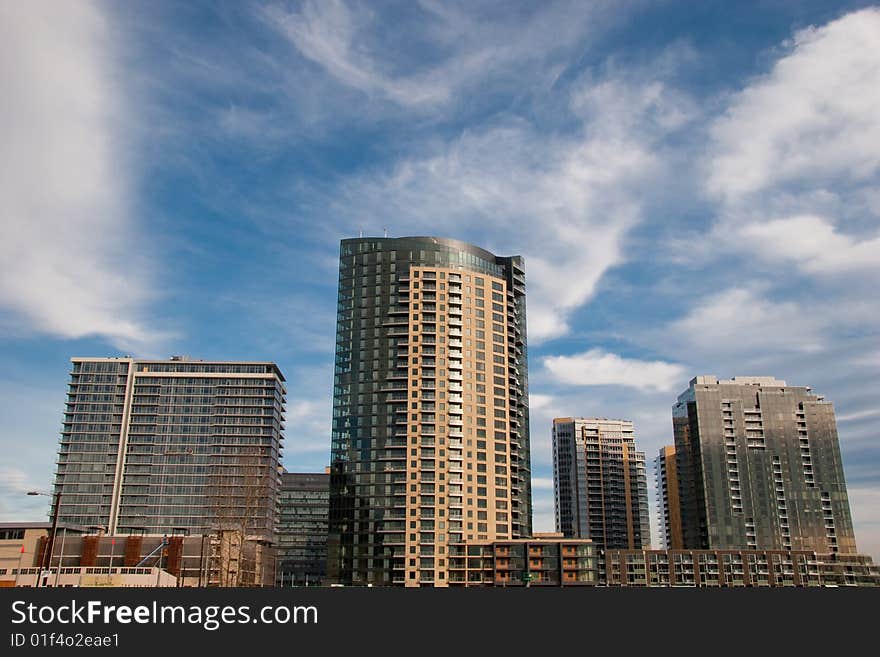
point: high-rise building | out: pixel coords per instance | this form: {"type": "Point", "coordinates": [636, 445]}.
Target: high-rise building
{"type": "Point", "coordinates": [302, 529]}
{"type": "Point", "coordinates": [600, 484]}
{"type": "Point", "coordinates": [759, 467]}
{"type": "Point", "coordinates": [430, 443]}
{"type": "Point", "coordinates": [668, 503]}
{"type": "Point", "coordinates": [172, 446]}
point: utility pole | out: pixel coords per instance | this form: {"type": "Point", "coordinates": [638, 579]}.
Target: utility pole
{"type": "Point", "coordinates": [46, 561]}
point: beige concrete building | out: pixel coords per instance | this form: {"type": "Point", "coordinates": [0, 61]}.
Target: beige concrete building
{"type": "Point", "coordinates": [430, 437]}
{"type": "Point", "coordinates": [668, 500]}
{"type": "Point", "coordinates": [88, 557]}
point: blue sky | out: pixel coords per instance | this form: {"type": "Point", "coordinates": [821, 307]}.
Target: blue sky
{"type": "Point", "coordinates": [694, 187]}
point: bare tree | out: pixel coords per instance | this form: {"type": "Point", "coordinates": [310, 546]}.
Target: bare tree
{"type": "Point", "coordinates": [242, 494]}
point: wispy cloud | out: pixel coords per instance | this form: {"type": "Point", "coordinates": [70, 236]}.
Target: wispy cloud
{"type": "Point", "coordinates": [742, 320]}
{"type": "Point", "coordinates": [566, 201]}
{"type": "Point", "coordinates": [15, 506]}
{"type": "Point", "coordinates": [68, 264]}
{"type": "Point", "coordinates": [450, 50]}
{"type": "Point", "coordinates": [308, 417]}
{"type": "Point", "coordinates": [859, 416]}
{"type": "Point", "coordinates": [812, 118]}
{"type": "Point", "coordinates": [596, 368]}
{"type": "Point", "coordinates": [325, 32]}
{"type": "Point", "coordinates": [542, 483]}
{"type": "Point", "coordinates": [865, 504]}
{"type": "Point", "coordinates": [812, 244]}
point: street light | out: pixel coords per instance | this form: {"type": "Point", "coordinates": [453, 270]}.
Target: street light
{"type": "Point", "coordinates": [46, 562]}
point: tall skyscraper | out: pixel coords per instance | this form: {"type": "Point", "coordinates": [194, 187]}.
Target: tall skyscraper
{"type": "Point", "coordinates": [430, 444]}
{"type": "Point", "coordinates": [668, 502]}
{"type": "Point", "coordinates": [759, 467]}
{"type": "Point", "coordinates": [600, 484]}
{"type": "Point", "coordinates": [172, 446]}
{"type": "Point", "coordinates": [302, 529]}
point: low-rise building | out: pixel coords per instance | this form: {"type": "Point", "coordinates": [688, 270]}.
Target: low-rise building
{"type": "Point", "coordinates": [86, 557]}
{"type": "Point", "coordinates": [543, 560]}
{"type": "Point", "coordinates": [736, 568]}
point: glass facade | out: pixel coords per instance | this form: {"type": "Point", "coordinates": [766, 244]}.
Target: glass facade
{"type": "Point", "coordinates": [430, 443]}
{"type": "Point", "coordinates": [601, 486]}
{"type": "Point", "coordinates": [165, 447]}
{"type": "Point", "coordinates": [759, 468]}
{"type": "Point", "coordinates": [302, 529]}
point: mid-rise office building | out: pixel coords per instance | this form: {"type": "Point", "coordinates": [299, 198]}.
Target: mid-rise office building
{"type": "Point", "coordinates": [177, 446]}
{"type": "Point", "coordinates": [668, 502]}
{"type": "Point", "coordinates": [430, 442]}
{"type": "Point", "coordinates": [759, 468]}
{"type": "Point", "coordinates": [600, 484]}
{"type": "Point", "coordinates": [302, 528]}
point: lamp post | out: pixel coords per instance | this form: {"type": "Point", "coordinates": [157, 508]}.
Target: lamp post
{"type": "Point", "coordinates": [46, 562]}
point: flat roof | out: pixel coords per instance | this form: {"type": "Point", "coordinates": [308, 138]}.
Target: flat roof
{"type": "Point", "coordinates": [42, 525]}
{"type": "Point", "coordinates": [179, 359]}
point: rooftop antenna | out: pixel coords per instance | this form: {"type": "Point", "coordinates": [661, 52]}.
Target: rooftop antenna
{"type": "Point", "coordinates": [385, 230]}
{"type": "Point", "coordinates": [362, 232]}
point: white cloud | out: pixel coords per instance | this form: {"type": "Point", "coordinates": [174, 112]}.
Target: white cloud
{"type": "Point", "coordinates": [859, 415]}
{"type": "Point", "coordinates": [864, 502]}
{"type": "Point", "coordinates": [742, 321]}
{"type": "Point", "coordinates": [538, 401]}
{"type": "Point", "coordinates": [564, 202]}
{"type": "Point", "coordinates": [542, 483]}
{"type": "Point", "coordinates": [15, 506]}
{"type": "Point", "coordinates": [811, 243]}
{"type": "Point", "coordinates": [69, 263]}
{"type": "Point", "coordinates": [308, 426]}
{"type": "Point", "coordinates": [596, 367]}
{"type": "Point", "coordinates": [815, 116]}
{"type": "Point", "coordinates": [543, 514]}
{"type": "Point", "coordinates": [325, 32]}
{"type": "Point", "coordinates": [458, 48]}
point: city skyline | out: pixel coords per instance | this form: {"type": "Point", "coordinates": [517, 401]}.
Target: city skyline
{"type": "Point", "coordinates": [693, 189]}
